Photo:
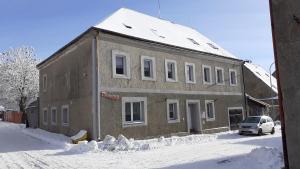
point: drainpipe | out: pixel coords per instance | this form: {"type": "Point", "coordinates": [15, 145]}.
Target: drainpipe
{"type": "Point", "coordinates": [94, 89]}
{"type": "Point", "coordinates": [281, 111]}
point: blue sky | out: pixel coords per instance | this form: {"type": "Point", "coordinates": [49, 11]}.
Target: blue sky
{"type": "Point", "coordinates": [240, 26]}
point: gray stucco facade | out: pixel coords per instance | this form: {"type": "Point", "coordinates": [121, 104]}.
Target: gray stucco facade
{"type": "Point", "coordinates": [70, 82]}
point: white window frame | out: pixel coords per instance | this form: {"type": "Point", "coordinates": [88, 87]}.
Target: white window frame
{"type": "Point", "coordinates": [166, 70]}
{"type": "Point", "coordinates": [54, 123]}
{"type": "Point", "coordinates": [203, 74]}
{"type": "Point", "coordinates": [45, 82]}
{"type": "Point", "coordinates": [214, 112]}
{"type": "Point", "coordinates": [216, 74]}
{"type": "Point", "coordinates": [153, 78]}
{"type": "Point", "coordinates": [134, 99]}
{"type": "Point", "coordinates": [233, 70]}
{"type": "Point", "coordinates": [186, 64]}
{"type": "Point", "coordinates": [62, 115]}
{"type": "Point", "coordinates": [45, 122]}
{"type": "Point", "coordinates": [127, 66]}
{"type": "Point", "coordinates": [172, 101]}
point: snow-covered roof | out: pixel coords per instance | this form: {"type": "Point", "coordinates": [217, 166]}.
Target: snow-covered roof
{"type": "Point", "coordinates": [262, 74]}
{"type": "Point", "coordinates": [139, 25]}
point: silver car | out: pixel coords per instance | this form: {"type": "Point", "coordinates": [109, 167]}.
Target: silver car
{"type": "Point", "coordinates": [257, 125]}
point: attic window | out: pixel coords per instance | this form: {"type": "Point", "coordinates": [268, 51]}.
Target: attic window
{"type": "Point", "coordinates": [127, 26]}
{"type": "Point", "coordinates": [212, 46]}
{"type": "Point", "coordinates": [193, 41]}
{"type": "Point", "coordinates": [156, 33]}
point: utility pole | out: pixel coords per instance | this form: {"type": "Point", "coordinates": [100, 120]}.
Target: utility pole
{"type": "Point", "coordinates": [158, 2]}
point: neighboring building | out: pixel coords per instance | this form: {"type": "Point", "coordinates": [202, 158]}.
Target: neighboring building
{"type": "Point", "coordinates": [261, 88]}
{"type": "Point", "coordinates": [32, 112]}
{"type": "Point", "coordinates": [285, 19]}
{"type": "Point", "coordinates": [140, 76]}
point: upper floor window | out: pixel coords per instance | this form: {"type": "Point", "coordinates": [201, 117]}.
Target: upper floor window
{"type": "Point", "coordinates": [232, 77]}
{"type": "Point", "coordinates": [206, 74]}
{"type": "Point", "coordinates": [171, 70]}
{"type": "Point", "coordinates": [148, 67]}
{"type": "Point", "coordinates": [219, 75]}
{"type": "Point", "coordinates": [120, 64]}
{"type": "Point", "coordinates": [134, 111]}
{"type": "Point", "coordinates": [65, 115]}
{"type": "Point", "coordinates": [44, 82]}
{"type": "Point", "coordinates": [173, 111]}
{"type": "Point", "coordinates": [210, 110]}
{"type": "Point", "coordinates": [190, 73]}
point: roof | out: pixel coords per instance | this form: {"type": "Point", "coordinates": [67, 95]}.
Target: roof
{"type": "Point", "coordinates": [257, 100]}
{"type": "Point", "coordinates": [263, 75]}
{"type": "Point", "coordinates": [135, 24]}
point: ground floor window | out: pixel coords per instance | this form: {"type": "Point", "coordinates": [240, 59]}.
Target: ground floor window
{"type": "Point", "coordinates": [210, 110]}
{"type": "Point", "coordinates": [53, 115]}
{"type": "Point", "coordinates": [45, 115]}
{"type": "Point", "coordinates": [173, 111]}
{"type": "Point", "coordinates": [65, 115]}
{"type": "Point", "coordinates": [134, 111]}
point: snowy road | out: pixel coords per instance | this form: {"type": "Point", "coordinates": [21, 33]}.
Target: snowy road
{"type": "Point", "coordinates": [228, 151]}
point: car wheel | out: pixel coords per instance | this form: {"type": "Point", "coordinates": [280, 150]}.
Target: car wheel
{"type": "Point", "coordinates": [273, 130]}
{"type": "Point", "coordinates": [259, 132]}
{"type": "Point", "coordinates": [240, 133]}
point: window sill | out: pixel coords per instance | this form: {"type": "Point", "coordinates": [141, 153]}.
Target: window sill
{"type": "Point", "coordinates": [233, 85]}
{"type": "Point", "coordinates": [174, 121]}
{"type": "Point", "coordinates": [117, 76]}
{"type": "Point", "coordinates": [133, 124]}
{"type": "Point", "coordinates": [148, 79]}
{"type": "Point", "coordinates": [65, 125]}
{"type": "Point", "coordinates": [171, 80]}
{"type": "Point", "coordinates": [210, 119]}
{"type": "Point", "coordinates": [207, 83]}
{"type": "Point", "coordinates": [190, 82]}
{"type": "Point", "coordinates": [220, 84]}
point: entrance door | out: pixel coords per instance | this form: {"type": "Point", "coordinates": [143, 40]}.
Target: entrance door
{"type": "Point", "coordinates": [193, 116]}
{"type": "Point", "coordinates": [235, 117]}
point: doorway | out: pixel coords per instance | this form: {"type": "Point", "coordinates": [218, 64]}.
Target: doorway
{"type": "Point", "coordinates": [235, 115]}
{"type": "Point", "coordinates": [193, 116]}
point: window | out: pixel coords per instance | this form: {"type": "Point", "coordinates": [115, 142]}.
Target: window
{"type": "Point", "coordinates": [219, 76]}
{"type": "Point", "coordinates": [127, 26]}
{"type": "Point", "coordinates": [210, 110]}
{"type": "Point", "coordinates": [232, 77]}
{"type": "Point", "coordinates": [65, 115]}
{"type": "Point", "coordinates": [190, 73]}
{"type": "Point", "coordinates": [206, 74]}
{"type": "Point", "coordinates": [173, 111]}
{"type": "Point", "coordinates": [44, 82]}
{"type": "Point", "coordinates": [45, 116]}
{"type": "Point", "coordinates": [155, 32]}
{"type": "Point", "coordinates": [171, 70]}
{"type": "Point", "coordinates": [120, 64]}
{"type": "Point", "coordinates": [148, 68]}
{"type": "Point", "coordinates": [53, 115]}
{"type": "Point", "coordinates": [134, 111]}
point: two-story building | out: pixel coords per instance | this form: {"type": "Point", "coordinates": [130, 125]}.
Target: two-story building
{"type": "Point", "coordinates": [140, 76]}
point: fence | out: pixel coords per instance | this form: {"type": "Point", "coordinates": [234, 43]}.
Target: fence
{"type": "Point", "coordinates": [13, 116]}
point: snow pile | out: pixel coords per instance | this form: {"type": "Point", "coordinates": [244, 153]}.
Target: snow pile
{"type": "Point", "coordinates": [270, 158]}
{"type": "Point", "coordinates": [110, 143]}
{"type": "Point", "coordinates": [51, 138]}
{"type": "Point", "coordinates": [83, 147]}
{"type": "Point", "coordinates": [2, 108]}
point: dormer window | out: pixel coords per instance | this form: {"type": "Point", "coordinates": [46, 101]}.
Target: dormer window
{"type": "Point", "coordinates": [212, 46]}
{"type": "Point", "coordinates": [127, 26]}
{"type": "Point", "coordinates": [193, 41]}
{"type": "Point", "coordinates": [156, 33]}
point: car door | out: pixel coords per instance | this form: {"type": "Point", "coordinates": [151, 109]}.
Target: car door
{"type": "Point", "coordinates": [263, 123]}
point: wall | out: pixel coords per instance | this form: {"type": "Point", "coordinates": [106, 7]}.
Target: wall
{"type": "Point", "coordinates": [286, 34]}
{"type": "Point", "coordinates": [69, 83]}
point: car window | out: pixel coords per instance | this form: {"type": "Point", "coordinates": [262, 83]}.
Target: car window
{"type": "Point", "coordinates": [263, 120]}
{"type": "Point", "coordinates": [252, 120]}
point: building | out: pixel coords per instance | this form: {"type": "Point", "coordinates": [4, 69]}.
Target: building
{"type": "Point", "coordinates": [285, 19]}
{"type": "Point", "coordinates": [261, 91]}
{"type": "Point", "coordinates": [140, 76]}
{"type": "Point", "coordinates": [32, 113]}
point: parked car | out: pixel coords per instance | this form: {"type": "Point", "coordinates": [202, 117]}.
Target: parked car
{"type": "Point", "coordinates": [257, 125]}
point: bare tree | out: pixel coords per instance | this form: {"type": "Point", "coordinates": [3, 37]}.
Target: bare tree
{"type": "Point", "coordinates": [19, 76]}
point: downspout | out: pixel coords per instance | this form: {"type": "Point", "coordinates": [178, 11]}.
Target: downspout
{"type": "Point", "coordinates": [98, 83]}
{"type": "Point", "coordinates": [281, 111]}
{"type": "Point", "coordinates": [94, 88]}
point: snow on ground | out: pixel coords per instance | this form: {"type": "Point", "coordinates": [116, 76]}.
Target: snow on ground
{"type": "Point", "coordinates": [35, 148]}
